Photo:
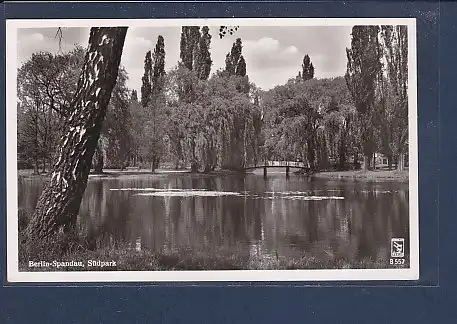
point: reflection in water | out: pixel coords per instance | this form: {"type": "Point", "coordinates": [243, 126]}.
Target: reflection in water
{"type": "Point", "coordinates": [246, 215]}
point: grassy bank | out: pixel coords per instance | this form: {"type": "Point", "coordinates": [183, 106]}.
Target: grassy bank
{"type": "Point", "coordinates": [132, 260]}
{"type": "Point", "coordinates": [377, 175]}
{"type": "Point", "coordinates": [27, 173]}
{"type": "Point", "coordinates": [116, 173]}
{"type": "Point", "coordinates": [127, 258]}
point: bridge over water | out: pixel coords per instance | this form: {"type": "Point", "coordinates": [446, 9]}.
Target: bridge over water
{"type": "Point", "coordinates": [279, 164]}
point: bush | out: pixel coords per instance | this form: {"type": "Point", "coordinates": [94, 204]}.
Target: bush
{"type": "Point", "coordinates": [23, 218]}
{"type": "Point", "coordinates": [56, 247]}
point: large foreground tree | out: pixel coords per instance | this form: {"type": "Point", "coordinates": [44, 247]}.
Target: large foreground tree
{"type": "Point", "coordinates": [58, 205]}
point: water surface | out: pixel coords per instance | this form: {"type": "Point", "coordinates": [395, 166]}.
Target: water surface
{"type": "Point", "coordinates": [271, 217]}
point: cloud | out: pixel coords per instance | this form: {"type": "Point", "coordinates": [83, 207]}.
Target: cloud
{"type": "Point", "coordinates": [135, 48]}
{"type": "Point", "coordinates": [273, 54]}
{"type": "Point", "coordinates": [269, 78]}
{"type": "Point", "coordinates": [291, 50]}
{"type": "Point", "coordinates": [140, 40]}
{"type": "Point", "coordinates": [33, 40]}
{"type": "Point", "coordinates": [134, 80]}
{"type": "Point", "coordinates": [268, 54]}
{"type": "Point", "coordinates": [265, 44]}
{"type": "Point", "coordinates": [35, 37]}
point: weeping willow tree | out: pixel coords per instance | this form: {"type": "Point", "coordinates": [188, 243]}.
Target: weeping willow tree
{"type": "Point", "coordinates": [58, 205]}
{"type": "Point", "coordinates": [219, 128]}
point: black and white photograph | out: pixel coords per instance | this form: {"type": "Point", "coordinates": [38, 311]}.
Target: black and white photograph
{"type": "Point", "coordinates": [212, 150]}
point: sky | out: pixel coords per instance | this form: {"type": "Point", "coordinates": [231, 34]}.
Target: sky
{"type": "Point", "coordinates": [273, 54]}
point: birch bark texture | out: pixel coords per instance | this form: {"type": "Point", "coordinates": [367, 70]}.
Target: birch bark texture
{"type": "Point", "coordinates": [58, 205]}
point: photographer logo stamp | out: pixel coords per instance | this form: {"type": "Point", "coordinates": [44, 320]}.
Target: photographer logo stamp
{"type": "Point", "coordinates": [397, 247]}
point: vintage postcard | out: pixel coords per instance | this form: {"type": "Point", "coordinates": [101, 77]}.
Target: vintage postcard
{"type": "Point", "coordinates": [212, 150]}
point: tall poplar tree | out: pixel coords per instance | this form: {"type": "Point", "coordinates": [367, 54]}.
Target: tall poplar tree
{"type": "Point", "coordinates": [363, 68]}
{"type": "Point", "coordinates": [190, 37]}
{"type": "Point", "coordinates": [395, 95]}
{"type": "Point", "coordinates": [134, 95]}
{"type": "Point", "coordinates": [157, 85]}
{"type": "Point", "coordinates": [241, 67]}
{"type": "Point", "coordinates": [159, 67]}
{"type": "Point", "coordinates": [235, 64]}
{"type": "Point", "coordinates": [146, 86]}
{"type": "Point", "coordinates": [234, 58]}
{"type": "Point", "coordinates": [204, 62]}
{"type": "Point", "coordinates": [307, 69]}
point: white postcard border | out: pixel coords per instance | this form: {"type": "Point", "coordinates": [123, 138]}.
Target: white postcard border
{"type": "Point", "coordinates": [15, 276]}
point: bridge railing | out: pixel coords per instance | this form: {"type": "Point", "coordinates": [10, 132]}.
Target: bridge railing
{"type": "Point", "coordinates": [279, 164]}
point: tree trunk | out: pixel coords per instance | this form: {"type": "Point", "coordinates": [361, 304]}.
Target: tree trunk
{"type": "Point", "coordinates": [356, 164]}
{"type": "Point", "coordinates": [193, 162]}
{"type": "Point", "coordinates": [401, 162]}
{"type": "Point", "coordinates": [58, 205]}
{"type": "Point", "coordinates": [366, 163]}
{"type": "Point", "coordinates": [37, 169]}
{"type": "Point", "coordinates": [99, 160]}
{"type": "Point", "coordinates": [156, 162]}
{"type": "Point", "coordinates": [342, 155]}
{"type": "Point", "coordinates": [98, 168]}
{"type": "Point", "coordinates": [311, 153]}
{"type": "Point", "coordinates": [193, 167]}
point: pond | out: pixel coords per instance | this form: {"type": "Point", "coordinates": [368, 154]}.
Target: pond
{"type": "Point", "coordinates": [268, 217]}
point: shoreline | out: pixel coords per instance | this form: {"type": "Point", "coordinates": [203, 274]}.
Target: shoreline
{"type": "Point", "coordinates": [360, 175]}
{"type": "Point", "coordinates": [356, 175]}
